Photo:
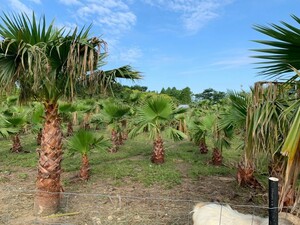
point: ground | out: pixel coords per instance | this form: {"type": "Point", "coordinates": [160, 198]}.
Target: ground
{"type": "Point", "coordinates": [124, 201]}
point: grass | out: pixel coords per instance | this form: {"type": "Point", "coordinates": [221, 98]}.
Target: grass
{"type": "Point", "coordinates": [131, 162]}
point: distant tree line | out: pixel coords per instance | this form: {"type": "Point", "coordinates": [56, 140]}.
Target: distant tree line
{"type": "Point", "coordinates": [182, 96]}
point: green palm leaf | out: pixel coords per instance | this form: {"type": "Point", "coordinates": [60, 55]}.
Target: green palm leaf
{"type": "Point", "coordinates": [83, 141]}
{"type": "Point", "coordinates": [283, 51]}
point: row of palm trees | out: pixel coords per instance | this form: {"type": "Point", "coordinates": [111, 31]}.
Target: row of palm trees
{"type": "Point", "coordinates": [47, 64]}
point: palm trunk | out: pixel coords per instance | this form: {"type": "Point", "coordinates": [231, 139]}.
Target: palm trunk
{"type": "Point", "coordinates": [16, 146]}
{"type": "Point", "coordinates": [70, 129]}
{"type": "Point", "coordinates": [114, 140]}
{"type": "Point", "coordinates": [84, 173]}
{"type": "Point", "coordinates": [245, 175]}
{"type": "Point", "coordinates": [217, 158]}
{"type": "Point", "coordinates": [48, 184]}
{"type": "Point", "coordinates": [202, 146]}
{"type": "Point", "coordinates": [158, 155]}
{"type": "Point", "coordinates": [288, 193]}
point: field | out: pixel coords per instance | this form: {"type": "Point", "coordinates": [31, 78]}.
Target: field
{"type": "Point", "coordinates": [125, 187]}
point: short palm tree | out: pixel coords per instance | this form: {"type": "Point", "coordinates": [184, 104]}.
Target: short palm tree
{"type": "Point", "coordinates": [36, 121]}
{"type": "Point", "coordinates": [17, 118]}
{"type": "Point", "coordinates": [66, 111]}
{"type": "Point", "coordinates": [114, 114]}
{"type": "Point", "coordinates": [199, 128]}
{"type": "Point", "coordinates": [6, 128]}
{"type": "Point", "coordinates": [280, 60]}
{"type": "Point", "coordinates": [83, 142]}
{"type": "Point", "coordinates": [156, 116]}
{"type": "Point", "coordinates": [18, 122]}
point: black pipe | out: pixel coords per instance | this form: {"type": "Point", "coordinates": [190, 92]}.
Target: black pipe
{"type": "Point", "coordinates": [273, 201]}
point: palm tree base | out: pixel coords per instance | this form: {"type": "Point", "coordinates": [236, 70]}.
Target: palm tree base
{"type": "Point", "coordinates": [46, 203]}
{"type": "Point", "coordinates": [84, 173]}
{"type": "Point", "coordinates": [158, 155]}
{"type": "Point", "coordinates": [217, 158]}
{"type": "Point", "coordinates": [245, 176]}
{"type": "Point", "coordinates": [203, 148]}
{"type": "Point", "coordinates": [16, 147]}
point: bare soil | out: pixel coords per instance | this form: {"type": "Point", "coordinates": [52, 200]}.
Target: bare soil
{"type": "Point", "coordinates": [123, 201]}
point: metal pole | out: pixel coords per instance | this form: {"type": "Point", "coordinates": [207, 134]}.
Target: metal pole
{"type": "Point", "coordinates": [273, 201]}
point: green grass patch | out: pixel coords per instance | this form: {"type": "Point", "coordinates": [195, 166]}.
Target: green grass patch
{"type": "Point", "coordinates": [132, 161]}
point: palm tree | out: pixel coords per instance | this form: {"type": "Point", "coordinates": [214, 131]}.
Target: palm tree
{"type": "Point", "coordinates": [280, 60]}
{"type": "Point", "coordinates": [36, 121]}
{"type": "Point", "coordinates": [240, 117]}
{"type": "Point", "coordinates": [82, 142]}
{"type": "Point", "coordinates": [16, 118]}
{"type": "Point", "coordinates": [6, 128]}
{"type": "Point", "coordinates": [199, 128]}
{"type": "Point", "coordinates": [18, 122]}
{"type": "Point", "coordinates": [114, 115]}
{"type": "Point", "coordinates": [156, 116]}
{"type": "Point", "coordinates": [66, 110]}
{"type": "Point", "coordinates": [45, 63]}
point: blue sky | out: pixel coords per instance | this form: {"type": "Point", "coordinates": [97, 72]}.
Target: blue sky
{"type": "Point", "coordinates": [174, 43]}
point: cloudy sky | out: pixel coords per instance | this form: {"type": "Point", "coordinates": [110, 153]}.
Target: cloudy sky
{"type": "Point", "coordinates": [174, 43]}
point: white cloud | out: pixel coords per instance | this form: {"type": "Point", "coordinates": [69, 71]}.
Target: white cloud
{"type": "Point", "coordinates": [70, 2]}
{"type": "Point", "coordinates": [36, 1]}
{"type": "Point", "coordinates": [112, 16]}
{"type": "Point", "coordinates": [193, 13]}
{"type": "Point", "coordinates": [234, 62]}
{"type": "Point", "coordinates": [131, 55]}
{"type": "Point", "coordinates": [20, 7]}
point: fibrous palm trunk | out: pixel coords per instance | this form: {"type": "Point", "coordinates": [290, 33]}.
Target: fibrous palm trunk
{"type": "Point", "coordinates": [48, 184]}
{"type": "Point", "coordinates": [245, 175]}
{"type": "Point", "coordinates": [70, 129]}
{"type": "Point", "coordinates": [84, 173]}
{"type": "Point", "coordinates": [158, 155]}
{"type": "Point", "coordinates": [16, 146]}
{"type": "Point", "coordinates": [114, 140]}
{"type": "Point", "coordinates": [217, 158]}
{"type": "Point", "coordinates": [203, 147]}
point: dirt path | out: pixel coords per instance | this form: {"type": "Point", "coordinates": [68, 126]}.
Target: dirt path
{"type": "Point", "coordinates": [104, 202]}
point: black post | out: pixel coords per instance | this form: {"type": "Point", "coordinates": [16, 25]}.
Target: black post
{"type": "Point", "coordinates": [273, 201]}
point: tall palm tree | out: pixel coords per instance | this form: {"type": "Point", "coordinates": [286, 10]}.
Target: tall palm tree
{"type": "Point", "coordinates": [156, 116]}
{"type": "Point", "coordinates": [240, 117]}
{"type": "Point", "coordinates": [280, 60]}
{"type": "Point", "coordinates": [45, 63]}
{"type": "Point", "coordinates": [83, 142]}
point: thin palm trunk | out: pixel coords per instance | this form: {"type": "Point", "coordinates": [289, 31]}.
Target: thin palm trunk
{"type": "Point", "coordinates": [16, 146]}
{"type": "Point", "coordinates": [202, 146]}
{"type": "Point", "coordinates": [70, 129]}
{"type": "Point", "coordinates": [245, 175]}
{"type": "Point", "coordinates": [114, 139]}
{"type": "Point", "coordinates": [48, 184]}
{"type": "Point", "coordinates": [217, 158]}
{"type": "Point", "coordinates": [39, 137]}
{"type": "Point", "coordinates": [84, 173]}
{"type": "Point", "coordinates": [158, 155]}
